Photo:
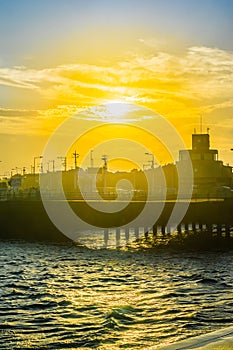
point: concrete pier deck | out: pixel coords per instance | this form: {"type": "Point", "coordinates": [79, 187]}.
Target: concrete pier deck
{"type": "Point", "coordinates": [28, 219]}
{"type": "Point", "coordinates": [218, 340]}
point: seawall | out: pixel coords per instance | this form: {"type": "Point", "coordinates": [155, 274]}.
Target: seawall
{"type": "Point", "coordinates": [29, 220]}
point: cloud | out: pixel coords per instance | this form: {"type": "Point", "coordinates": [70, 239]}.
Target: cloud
{"type": "Point", "coordinates": [115, 112]}
{"type": "Point", "coordinates": [42, 121]}
{"type": "Point", "coordinates": [14, 121]}
{"type": "Point", "coordinates": [179, 86]}
{"type": "Point", "coordinates": [9, 112]}
{"type": "Point", "coordinates": [201, 77]}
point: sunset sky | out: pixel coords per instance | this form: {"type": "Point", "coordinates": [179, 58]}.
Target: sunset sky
{"type": "Point", "coordinates": [59, 57]}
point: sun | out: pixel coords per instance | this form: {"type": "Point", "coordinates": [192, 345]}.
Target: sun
{"type": "Point", "coordinates": [117, 109]}
{"type": "Point", "coordinates": [112, 111]}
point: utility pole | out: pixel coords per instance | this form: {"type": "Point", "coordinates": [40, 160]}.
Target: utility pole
{"type": "Point", "coordinates": [105, 159]}
{"type": "Point", "coordinates": [75, 156]}
{"type": "Point", "coordinates": [105, 167]}
{"type": "Point", "coordinates": [152, 161]}
{"type": "Point", "coordinates": [53, 161]}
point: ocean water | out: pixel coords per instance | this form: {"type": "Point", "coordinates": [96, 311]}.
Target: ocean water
{"type": "Point", "coordinates": [69, 297]}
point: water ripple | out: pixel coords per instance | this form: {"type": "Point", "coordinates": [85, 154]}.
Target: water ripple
{"type": "Point", "coordinates": [62, 296]}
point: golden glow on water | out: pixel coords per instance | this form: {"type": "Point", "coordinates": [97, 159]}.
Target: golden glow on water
{"type": "Point", "coordinates": [90, 60]}
{"type": "Point", "coordinates": [107, 299]}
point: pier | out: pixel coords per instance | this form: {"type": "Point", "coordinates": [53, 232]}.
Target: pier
{"type": "Point", "coordinates": [28, 220]}
{"type": "Point", "coordinates": [51, 207]}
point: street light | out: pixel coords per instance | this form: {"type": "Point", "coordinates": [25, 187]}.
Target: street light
{"type": "Point", "coordinates": [64, 161]}
{"type": "Point", "coordinates": [91, 159]}
{"type": "Point", "coordinates": [53, 162]}
{"type": "Point", "coordinates": [34, 168]}
{"type": "Point", "coordinates": [152, 161]}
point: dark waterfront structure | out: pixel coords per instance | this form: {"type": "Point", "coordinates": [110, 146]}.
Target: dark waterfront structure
{"type": "Point", "coordinates": [28, 220]}
{"type": "Point", "coordinates": [211, 178]}
{"type": "Point", "coordinates": [209, 214]}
